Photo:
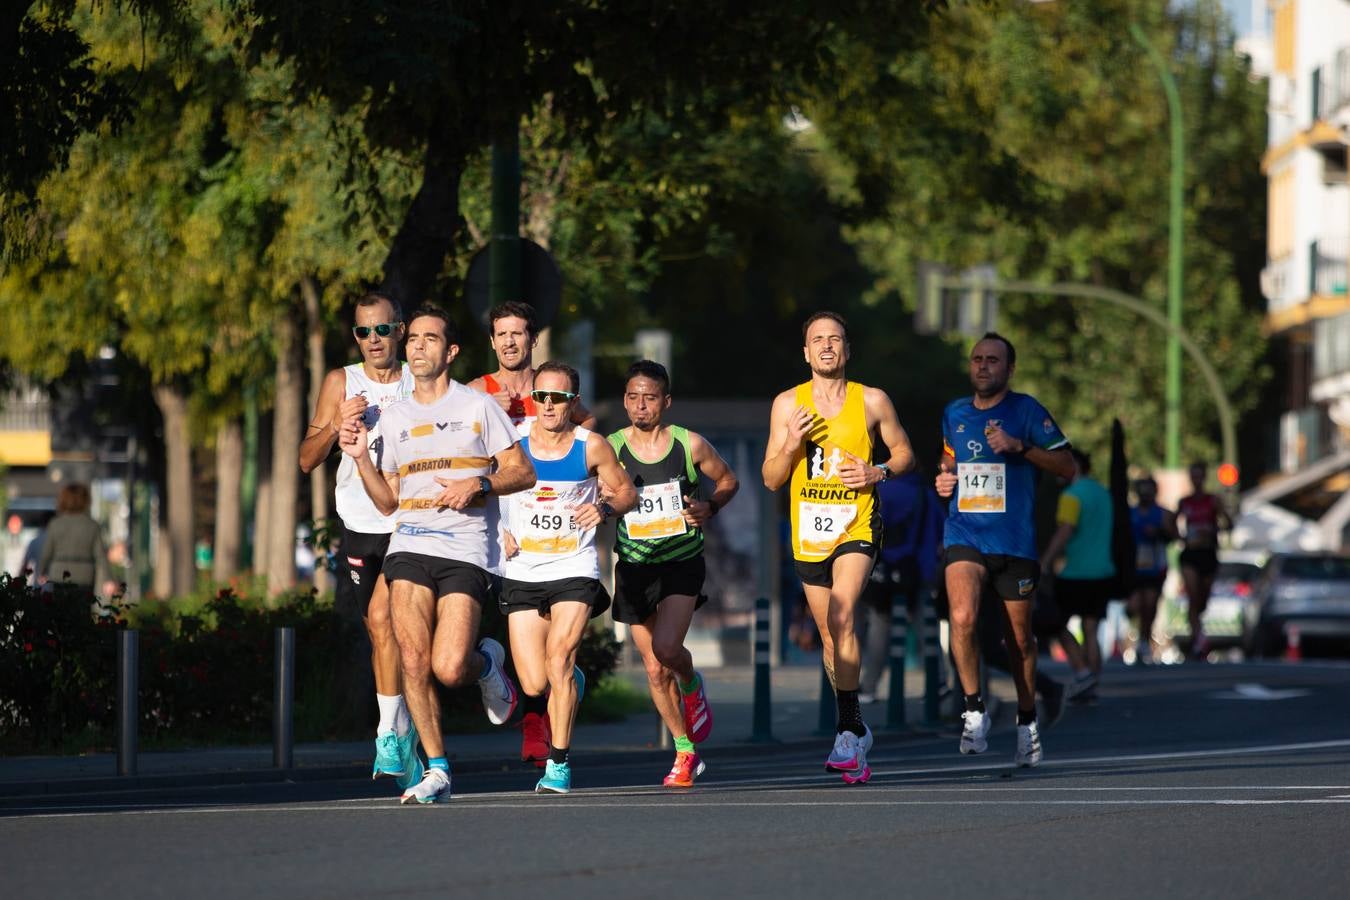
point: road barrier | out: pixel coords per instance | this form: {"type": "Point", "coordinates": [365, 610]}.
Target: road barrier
{"type": "Point", "coordinates": [931, 667]}
{"type": "Point", "coordinates": [283, 708]}
{"type": "Point", "coordinates": [128, 706]}
{"type": "Point", "coordinates": [895, 702]}
{"type": "Point", "coordinates": [763, 719]}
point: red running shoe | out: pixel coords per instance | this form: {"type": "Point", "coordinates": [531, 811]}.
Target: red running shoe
{"type": "Point", "coordinates": [697, 713]}
{"type": "Point", "coordinates": [535, 734]}
{"type": "Point", "coordinates": [687, 767]}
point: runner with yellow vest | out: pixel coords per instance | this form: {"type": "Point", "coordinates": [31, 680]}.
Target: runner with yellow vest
{"type": "Point", "coordinates": [823, 436]}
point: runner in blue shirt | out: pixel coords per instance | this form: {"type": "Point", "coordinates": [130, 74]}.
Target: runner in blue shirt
{"type": "Point", "coordinates": [994, 443]}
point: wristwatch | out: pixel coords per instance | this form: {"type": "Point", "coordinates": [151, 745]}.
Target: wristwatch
{"type": "Point", "coordinates": [605, 510]}
{"type": "Point", "coordinates": [886, 472]}
{"type": "Point", "coordinates": [484, 485]}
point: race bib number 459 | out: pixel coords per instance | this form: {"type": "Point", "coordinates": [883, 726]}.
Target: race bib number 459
{"type": "Point", "coordinates": [659, 513]}
{"type": "Point", "coordinates": [981, 488]}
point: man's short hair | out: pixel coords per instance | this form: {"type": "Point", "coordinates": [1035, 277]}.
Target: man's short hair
{"type": "Point", "coordinates": [995, 336]}
{"type": "Point", "coordinates": [646, 368]}
{"type": "Point", "coordinates": [516, 309]}
{"type": "Point", "coordinates": [1082, 459]}
{"type": "Point", "coordinates": [825, 314]}
{"type": "Point", "coordinates": [375, 298]}
{"type": "Point", "coordinates": [435, 312]}
{"type": "Point", "coordinates": [553, 365]}
{"type": "Point", "coordinates": [73, 498]}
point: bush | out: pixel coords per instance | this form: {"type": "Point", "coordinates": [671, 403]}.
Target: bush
{"type": "Point", "coordinates": [206, 669]}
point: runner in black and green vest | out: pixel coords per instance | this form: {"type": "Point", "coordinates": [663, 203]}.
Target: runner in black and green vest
{"type": "Point", "coordinates": [658, 582]}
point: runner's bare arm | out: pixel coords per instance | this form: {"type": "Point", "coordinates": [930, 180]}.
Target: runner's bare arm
{"type": "Point", "coordinates": [583, 417]}
{"type": "Point", "coordinates": [709, 462]}
{"type": "Point", "coordinates": [514, 472]}
{"type": "Point", "coordinates": [323, 428]}
{"type": "Point", "coordinates": [1058, 542]}
{"type": "Point", "coordinates": [619, 491]}
{"type": "Point", "coordinates": [381, 486]}
{"type": "Point", "coordinates": [861, 473]}
{"type": "Point", "coordinates": [788, 424]}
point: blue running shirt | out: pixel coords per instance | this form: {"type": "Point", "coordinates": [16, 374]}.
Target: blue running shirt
{"type": "Point", "coordinates": [993, 505]}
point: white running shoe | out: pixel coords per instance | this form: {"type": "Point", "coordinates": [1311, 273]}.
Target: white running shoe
{"type": "Point", "coordinates": [974, 732]}
{"type": "Point", "coordinates": [433, 788]}
{"type": "Point", "coordinates": [1028, 754]}
{"type": "Point", "coordinates": [850, 751]}
{"type": "Point", "coordinates": [499, 693]}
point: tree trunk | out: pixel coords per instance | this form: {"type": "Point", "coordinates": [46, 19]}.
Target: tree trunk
{"type": "Point", "coordinates": [318, 478]}
{"type": "Point", "coordinates": [418, 251]}
{"type": "Point", "coordinates": [262, 510]}
{"type": "Point", "coordinates": [288, 415]}
{"type": "Point", "coordinates": [229, 464]}
{"type": "Point", "coordinates": [172, 403]}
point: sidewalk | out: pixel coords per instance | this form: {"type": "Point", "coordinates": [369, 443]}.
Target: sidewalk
{"type": "Point", "coordinates": [795, 713]}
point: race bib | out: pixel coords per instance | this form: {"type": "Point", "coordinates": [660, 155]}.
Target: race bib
{"type": "Point", "coordinates": [981, 488]}
{"type": "Point", "coordinates": [822, 526]}
{"type": "Point", "coordinates": [546, 526]}
{"type": "Point", "coordinates": [658, 514]}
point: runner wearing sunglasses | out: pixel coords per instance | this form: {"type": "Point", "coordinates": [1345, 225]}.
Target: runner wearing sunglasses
{"type": "Point", "coordinates": [658, 581]}
{"type": "Point", "coordinates": [551, 586]}
{"type": "Point", "coordinates": [513, 335]}
{"type": "Point", "coordinates": [361, 596]}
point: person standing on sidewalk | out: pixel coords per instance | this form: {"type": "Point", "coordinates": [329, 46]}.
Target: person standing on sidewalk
{"type": "Point", "coordinates": [822, 438]}
{"type": "Point", "coordinates": [1205, 517]}
{"type": "Point", "coordinates": [437, 471]}
{"type": "Point", "coordinates": [994, 444]}
{"type": "Point", "coordinates": [551, 586]}
{"type": "Point", "coordinates": [658, 580]}
{"type": "Point", "coordinates": [361, 594]}
{"type": "Point", "coordinates": [1154, 528]}
{"type": "Point", "coordinates": [1083, 586]}
{"type": "Point", "coordinates": [513, 334]}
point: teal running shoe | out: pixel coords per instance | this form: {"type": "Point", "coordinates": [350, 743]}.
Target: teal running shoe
{"type": "Point", "coordinates": [388, 759]}
{"type": "Point", "coordinates": [580, 678]}
{"type": "Point", "coordinates": [557, 779]}
{"type": "Point", "coordinates": [411, 760]}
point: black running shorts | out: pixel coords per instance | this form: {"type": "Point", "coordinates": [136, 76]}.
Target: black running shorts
{"type": "Point", "coordinates": [539, 596]}
{"type": "Point", "coordinates": [821, 574]}
{"type": "Point", "coordinates": [1012, 577]}
{"type": "Point", "coordinates": [442, 576]}
{"type": "Point", "coordinates": [640, 587]}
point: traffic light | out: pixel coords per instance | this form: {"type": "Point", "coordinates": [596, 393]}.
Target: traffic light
{"type": "Point", "coordinates": [1228, 475]}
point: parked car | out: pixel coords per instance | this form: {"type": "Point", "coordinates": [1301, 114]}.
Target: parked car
{"type": "Point", "coordinates": [1306, 591]}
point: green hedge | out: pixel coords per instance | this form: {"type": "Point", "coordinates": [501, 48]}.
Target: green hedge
{"type": "Point", "coordinates": [206, 665]}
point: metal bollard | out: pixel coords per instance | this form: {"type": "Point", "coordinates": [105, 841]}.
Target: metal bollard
{"type": "Point", "coordinates": [895, 703]}
{"type": "Point", "coordinates": [829, 713]}
{"type": "Point", "coordinates": [931, 670]}
{"type": "Point", "coordinates": [763, 722]}
{"type": "Point", "coordinates": [128, 705]}
{"type": "Point", "coordinates": [283, 708]}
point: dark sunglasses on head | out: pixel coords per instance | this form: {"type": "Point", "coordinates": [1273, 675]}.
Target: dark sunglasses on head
{"type": "Point", "coordinates": [552, 396]}
{"type": "Point", "coordinates": [384, 329]}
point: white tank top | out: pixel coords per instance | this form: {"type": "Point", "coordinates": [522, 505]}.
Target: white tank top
{"type": "Point", "coordinates": [354, 506]}
{"type": "Point", "coordinates": [551, 547]}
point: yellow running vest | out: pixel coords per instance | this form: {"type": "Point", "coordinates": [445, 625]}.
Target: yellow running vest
{"type": "Point", "coordinates": [826, 514]}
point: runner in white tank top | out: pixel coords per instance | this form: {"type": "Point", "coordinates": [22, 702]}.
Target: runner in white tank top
{"type": "Point", "coordinates": [551, 586]}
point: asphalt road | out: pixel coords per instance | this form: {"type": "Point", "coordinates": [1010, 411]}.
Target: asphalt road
{"type": "Point", "coordinates": [1196, 781]}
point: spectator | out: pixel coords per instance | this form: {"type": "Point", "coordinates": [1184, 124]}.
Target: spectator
{"type": "Point", "coordinates": [73, 550]}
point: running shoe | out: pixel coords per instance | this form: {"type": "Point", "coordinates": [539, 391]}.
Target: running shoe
{"type": "Point", "coordinates": [535, 734]}
{"type": "Point", "coordinates": [433, 788]}
{"type": "Point", "coordinates": [850, 751]}
{"type": "Point", "coordinates": [974, 732]}
{"type": "Point", "coordinates": [388, 760]}
{"type": "Point", "coordinates": [557, 779]}
{"type": "Point", "coordinates": [1028, 754]}
{"type": "Point", "coordinates": [697, 713]}
{"type": "Point", "coordinates": [1083, 689]}
{"type": "Point", "coordinates": [413, 770]}
{"type": "Point", "coordinates": [687, 767]}
{"type": "Point", "coordinates": [499, 693]}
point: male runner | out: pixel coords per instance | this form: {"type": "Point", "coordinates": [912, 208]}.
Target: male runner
{"type": "Point", "coordinates": [993, 445]}
{"type": "Point", "coordinates": [437, 471]}
{"type": "Point", "coordinates": [658, 581]}
{"type": "Point", "coordinates": [1205, 517]}
{"type": "Point", "coordinates": [363, 390]}
{"type": "Point", "coordinates": [513, 335]}
{"type": "Point", "coordinates": [1154, 527]}
{"type": "Point", "coordinates": [822, 436]}
{"type": "Point", "coordinates": [551, 586]}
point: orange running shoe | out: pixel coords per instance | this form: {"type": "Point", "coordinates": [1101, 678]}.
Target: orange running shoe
{"type": "Point", "coordinates": [697, 714]}
{"type": "Point", "coordinates": [687, 767]}
{"type": "Point", "coordinates": [535, 734]}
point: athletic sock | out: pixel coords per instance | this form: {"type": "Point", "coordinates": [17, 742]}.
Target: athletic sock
{"type": "Point", "coordinates": [1026, 716]}
{"type": "Point", "coordinates": [850, 714]}
{"type": "Point", "coordinates": [438, 762]}
{"type": "Point", "coordinates": [487, 666]}
{"type": "Point", "coordinates": [389, 708]}
{"type": "Point", "coordinates": [557, 754]}
{"type": "Point", "coordinates": [684, 745]}
{"type": "Point", "coordinates": [537, 704]}
{"type": "Point", "coordinates": [691, 686]}
{"type": "Point", "coordinates": [974, 703]}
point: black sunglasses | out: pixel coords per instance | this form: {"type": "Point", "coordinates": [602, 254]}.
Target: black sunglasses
{"type": "Point", "coordinates": [384, 329]}
{"type": "Point", "coordinates": [552, 396]}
